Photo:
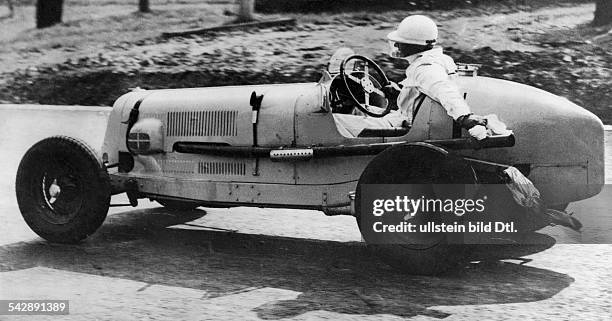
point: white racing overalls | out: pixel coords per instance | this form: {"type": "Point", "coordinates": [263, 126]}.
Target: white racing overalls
{"type": "Point", "coordinates": [430, 72]}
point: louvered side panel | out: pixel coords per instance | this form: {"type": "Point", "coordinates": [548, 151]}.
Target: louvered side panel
{"type": "Point", "coordinates": [202, 123]}
{"type": "Point", "coordinates": [222, 168]}
{"type": "Point", "coordinates": [175, 166]}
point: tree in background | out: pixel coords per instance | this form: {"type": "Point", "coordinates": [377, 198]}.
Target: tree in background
{"type": "Point", "coordinates": [143, 6]}
{"type": "Point", "coordinates": [245, 10]}
{"type": "Point", "coordinates": [48, 12]}
{"type": "Point", "coordinates": [9, 3]}
{"type": "Point", "coordinates": [603, 13]}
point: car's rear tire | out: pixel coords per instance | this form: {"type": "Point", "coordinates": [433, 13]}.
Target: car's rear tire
{"type": "Point", "coordinates": [418, 167]}
{"type": "Point", "coordinates": [63, 189]}
{"type": "Point", "coordinates": [176, 205]}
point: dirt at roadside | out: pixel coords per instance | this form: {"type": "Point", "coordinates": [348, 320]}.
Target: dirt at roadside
{"type": "Point", "coordinates": [549, 48]}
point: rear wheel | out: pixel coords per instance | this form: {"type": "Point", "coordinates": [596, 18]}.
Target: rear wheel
{"type": "Point", "coordinates": [419, 170]}
{"type": "Point", "coordinates": [63, 189]}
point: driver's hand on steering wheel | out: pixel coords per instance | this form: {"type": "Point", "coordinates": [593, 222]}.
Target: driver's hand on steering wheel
{"type": "Point", "coordinates": [391, 90]}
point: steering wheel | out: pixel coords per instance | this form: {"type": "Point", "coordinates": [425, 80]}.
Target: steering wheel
{"type": "Point", "coordinates": [367, 85]}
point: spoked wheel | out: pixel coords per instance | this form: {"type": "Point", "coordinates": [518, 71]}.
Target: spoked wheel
{"type": "Point", "coordinates": [63, 190]}
{"type": "Point", "coordinates": [417, 171]}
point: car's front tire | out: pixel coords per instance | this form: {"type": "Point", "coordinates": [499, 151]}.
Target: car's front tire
{"type": "Point", "coordinates": [63, 189]}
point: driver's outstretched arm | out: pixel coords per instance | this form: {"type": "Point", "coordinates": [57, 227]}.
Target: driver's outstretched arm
{"type": "Point", "coordinates": [433, 80]}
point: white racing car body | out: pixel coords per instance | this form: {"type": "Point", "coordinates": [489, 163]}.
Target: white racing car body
{"type": "Point", "coordinates": [558, 143]}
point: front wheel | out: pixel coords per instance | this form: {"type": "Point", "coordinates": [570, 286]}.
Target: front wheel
{"type": "Point", "coordinates": [63, 189]}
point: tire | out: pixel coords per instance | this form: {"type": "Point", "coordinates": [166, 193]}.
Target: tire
{"type": "Point", "coordinates": [63, 189]}
{"type": "Point", "coordinates": [423, 166]}
{"type": "Point", "coordinates": [175, 205]}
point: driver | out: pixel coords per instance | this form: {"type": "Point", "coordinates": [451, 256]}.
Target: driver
{"type": "Point", "coordinates": [430, 72]}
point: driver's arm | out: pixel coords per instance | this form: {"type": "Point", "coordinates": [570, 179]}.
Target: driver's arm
{"type": "Point", "coordinates": [433, 81]}
{"type": "Point", "coordinates": [392, 91]}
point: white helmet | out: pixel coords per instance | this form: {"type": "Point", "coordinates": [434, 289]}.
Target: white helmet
{"type": "Point", "coordinates": [416, 29]}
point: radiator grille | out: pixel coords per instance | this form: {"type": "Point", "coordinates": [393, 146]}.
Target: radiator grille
{"type": "Point", "coordinates": [202, 123]}
{"type": "Point", "coordinates": [222, 168]}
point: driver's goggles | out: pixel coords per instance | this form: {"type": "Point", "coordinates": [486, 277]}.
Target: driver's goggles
{"type": "Point", "coordinates": [394, 50]}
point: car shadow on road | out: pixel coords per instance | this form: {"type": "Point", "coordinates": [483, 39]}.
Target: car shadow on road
{"type": "Point", "coordinates": [331, 276]}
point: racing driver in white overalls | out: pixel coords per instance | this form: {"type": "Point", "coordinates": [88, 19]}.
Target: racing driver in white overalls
{"type": "Point", "coordinates": [430, 72]}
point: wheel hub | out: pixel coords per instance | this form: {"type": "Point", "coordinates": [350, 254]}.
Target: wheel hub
{"type": "Point", "coordinates": [63, 196]}
{"type": "Point", "coordinates": [54, 191]}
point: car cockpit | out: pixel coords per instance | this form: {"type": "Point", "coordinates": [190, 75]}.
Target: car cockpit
{"type": "Point", "coordinates": [358, 104]}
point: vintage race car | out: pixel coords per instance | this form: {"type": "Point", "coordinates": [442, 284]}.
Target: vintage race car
{"type": "Point", "coordinates": [303, 146]}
